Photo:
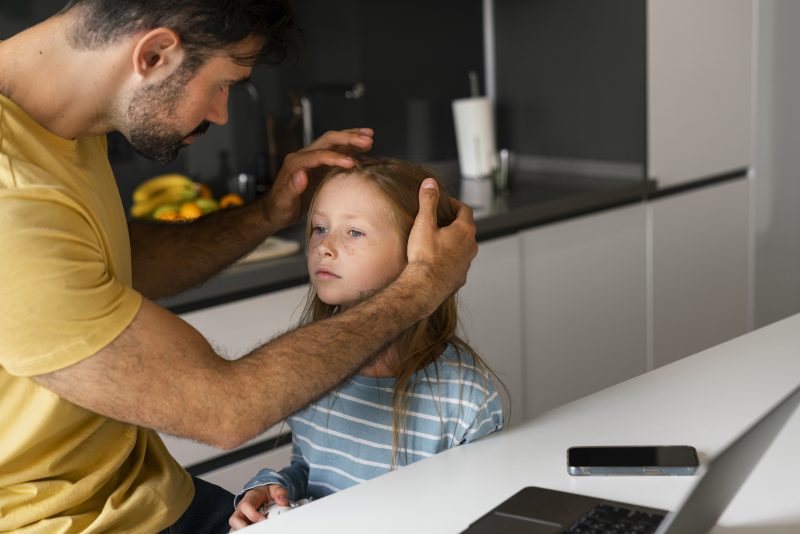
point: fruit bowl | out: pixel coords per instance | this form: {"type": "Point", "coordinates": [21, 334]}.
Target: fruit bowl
{"type": "Point", "coordinates": [176, 197]}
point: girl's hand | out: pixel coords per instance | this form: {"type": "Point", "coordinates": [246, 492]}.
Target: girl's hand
{"type": "Point", "coordinates": [284, 205]}
{"type": "Point", "coordinates": [247, 513]}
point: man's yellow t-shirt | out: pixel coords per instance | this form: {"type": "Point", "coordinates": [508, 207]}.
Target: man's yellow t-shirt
{"type": "Point", "coordinates": [65, 293]}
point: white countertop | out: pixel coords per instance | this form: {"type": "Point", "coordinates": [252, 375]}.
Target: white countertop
{"type": "Point", "coordinates": [704, 400]}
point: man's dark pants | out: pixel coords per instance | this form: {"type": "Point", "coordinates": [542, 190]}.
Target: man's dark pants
{"type": "Point", "coordinates": [208, 512]}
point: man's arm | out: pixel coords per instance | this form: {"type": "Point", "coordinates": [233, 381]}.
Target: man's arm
{"type": "Point", "coordinates": [169, 258]}
{"type": "Point", "coordinates": [161, 373]}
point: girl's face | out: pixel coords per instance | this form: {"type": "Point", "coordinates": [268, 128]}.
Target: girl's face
{"type": "Point", "coordinates": [355, 248]}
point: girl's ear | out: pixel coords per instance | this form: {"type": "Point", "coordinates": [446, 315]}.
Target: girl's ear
{"type": "Point", "coordinates": [157, 54]}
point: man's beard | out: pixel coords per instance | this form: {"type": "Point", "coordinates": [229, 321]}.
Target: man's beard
{"type": "Point", "coordinates": [149, 109]}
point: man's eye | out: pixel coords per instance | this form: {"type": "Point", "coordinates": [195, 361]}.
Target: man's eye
{"type": "Point", "coordinates": [356, 233]}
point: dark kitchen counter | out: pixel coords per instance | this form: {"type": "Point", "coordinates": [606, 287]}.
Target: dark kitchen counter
{"type": "Point", "coordinates": [536, 199]}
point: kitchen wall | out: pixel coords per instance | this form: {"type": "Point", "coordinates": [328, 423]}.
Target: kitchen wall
{"type": "Point", "coordinates": [412, 56]}
{"type": "Point", "coordinates": [570, 75]}
{"type": "Point", "coordinates": [571, 79]}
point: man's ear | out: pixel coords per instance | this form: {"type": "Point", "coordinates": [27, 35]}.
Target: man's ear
{"type": "Point", "coordinates": [157, 54]}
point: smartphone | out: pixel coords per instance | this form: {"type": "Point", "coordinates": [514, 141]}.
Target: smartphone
{"type": "Point", "coordinates": [632, 460]}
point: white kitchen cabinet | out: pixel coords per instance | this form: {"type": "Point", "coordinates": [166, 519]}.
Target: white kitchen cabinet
{"type": "Point", "coordinates": [490, 306]}
{"type": "Point", "coordinates": [234, 329]}
{"type": "Point", "coordinates": [776, 188]}
{"type": "Point", "coordinates": [699, 62]}
{"type": "Point", "coordinates": [584, 324]}
{"type": "Point", "coordinates": [700, 269]}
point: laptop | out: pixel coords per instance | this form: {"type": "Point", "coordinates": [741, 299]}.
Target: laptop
{"type": "Point", "coordinates": [544, 511]}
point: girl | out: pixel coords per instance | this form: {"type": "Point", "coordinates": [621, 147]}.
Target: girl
{"type": "Point", "coordinates": [427, 392]}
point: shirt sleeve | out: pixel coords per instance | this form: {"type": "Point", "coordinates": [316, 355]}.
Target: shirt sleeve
{"type": "Point", "coordinates": [293, 477]}
{"type": "Point", "coordinates": [484, 412]}
{"type": "Point", "coordinates": [60, 300]}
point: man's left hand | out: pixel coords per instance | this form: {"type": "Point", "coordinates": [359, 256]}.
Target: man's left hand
{"type": "Point", "coordinates": [284, 203]}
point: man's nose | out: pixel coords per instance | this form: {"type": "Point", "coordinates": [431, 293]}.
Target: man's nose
{"type": "Point", "coordinates": [218, 112]}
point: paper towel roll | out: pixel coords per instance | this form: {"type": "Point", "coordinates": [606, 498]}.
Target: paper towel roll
{"type": "Point", "coordinates": [474, 123]}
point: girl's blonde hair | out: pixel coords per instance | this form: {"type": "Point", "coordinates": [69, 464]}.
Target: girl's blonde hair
{"type": "Point", "coordinates": [420, 345]}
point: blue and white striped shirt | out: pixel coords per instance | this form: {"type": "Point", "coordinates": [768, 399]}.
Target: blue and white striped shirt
{"type": "Point", "coordinates": [346, 437]}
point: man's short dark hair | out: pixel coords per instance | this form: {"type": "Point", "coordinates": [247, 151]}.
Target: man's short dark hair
{"type": "Point", "coordinates": [206, 27]}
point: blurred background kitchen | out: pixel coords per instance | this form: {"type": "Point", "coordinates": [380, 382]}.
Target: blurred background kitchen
{"type": "Point", "coordinates": [654, 152]}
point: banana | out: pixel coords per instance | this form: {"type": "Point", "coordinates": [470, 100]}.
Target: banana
{"type": "Point", "coordinates": [173, 195]}
{"type": "Point", "coordinates": [153, 186]}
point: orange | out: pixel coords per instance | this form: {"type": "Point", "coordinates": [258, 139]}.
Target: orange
{"type": "Point", "coordinates": [190, 210]}
{"type": "Point", "coordinates": [167, 216]}
{"type": "Point", "coordinates": [231, 199]}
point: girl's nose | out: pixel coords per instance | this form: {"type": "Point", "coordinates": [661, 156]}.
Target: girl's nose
{"type": "Point", "coordinates": [326, 247]}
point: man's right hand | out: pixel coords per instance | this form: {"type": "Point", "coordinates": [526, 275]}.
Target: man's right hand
{"type": "Point", "coordinates": [445, 253]}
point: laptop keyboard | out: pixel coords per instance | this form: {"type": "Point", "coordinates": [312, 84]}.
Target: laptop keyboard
{"type": "Point", "coordinates": [607, 519]}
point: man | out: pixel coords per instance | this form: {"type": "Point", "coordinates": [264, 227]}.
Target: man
{"type": "Point", "coordinates": [90, 366]}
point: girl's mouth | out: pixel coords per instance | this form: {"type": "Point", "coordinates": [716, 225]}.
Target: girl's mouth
{"type": "Point", "coordinates": [325, 274]}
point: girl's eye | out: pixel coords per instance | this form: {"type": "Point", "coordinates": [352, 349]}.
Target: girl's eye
{"type": "Point", "coordinates": [356, 233]}
{"type": "Point", "coordinates": [318, 230]}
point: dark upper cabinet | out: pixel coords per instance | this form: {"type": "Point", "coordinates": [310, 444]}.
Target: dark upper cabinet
{"type": "Point", "coordinates": [571, 78]}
